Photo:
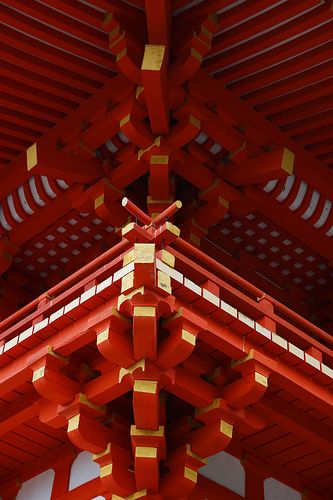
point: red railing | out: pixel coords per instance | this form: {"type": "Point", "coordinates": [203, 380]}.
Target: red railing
{"type": "Point", "coordinates": [251, 290]}
{"type": "Point", "coordinates": [83, 275]}
{"type": "Point", "coordinates": [236, 285]}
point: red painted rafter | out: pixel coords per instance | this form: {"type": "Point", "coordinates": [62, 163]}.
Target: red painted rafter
{"type": "Point", "coordinates": [316, 134]}
{"type": "Point", "coordinates": [46, 14]}
{"type": "Point", "coordinates": [300, 97]}
{"type": "Point", "coordinates": [71, 126]}
{"type": "Point", "coordinates": [81, 12]}
{"type": "Point", "coordinates": [237, 37]}
{"type": "Point", "coordinates": [290, 84]}
{"type": "Point", "coordinates": [37, 96]}
{"type": "Point", "coordinates": [158, 22]}
{"type": "Point", "coordinates": [36, 125]}
{"type": "Point", "coordinates": [310, 108]}
{"type": "Point", "coordinates": [26, 106]}
{"type": "Point", "coordinates": [304, 162]}
{"type": "Point", "coordinates": [297, 422]}
{"type": "Point", "coordinates": [18, 131]}
{"type": "Point", "coordinates": [45, 56]}
{"type": "Point", "coordinates": [303, 62]}
{"type": "Point", "coordinates": [124, 165]}
{"type": "Point", "coordinates": [196, 11]}
{"type": "Point", "coordinates": [54, 37]}
{"type": "Point", "coordinates": [305, 42]}
{"type": "Point", "coordinates": [281, 368]}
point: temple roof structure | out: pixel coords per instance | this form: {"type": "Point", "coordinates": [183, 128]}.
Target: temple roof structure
{"type": "Point", "coordinates": [270, 64]}
{"type": "Point", "coordinates": [226, 105]}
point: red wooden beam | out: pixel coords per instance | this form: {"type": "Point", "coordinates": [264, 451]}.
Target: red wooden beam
{"type": "Point", "coordinates": [293, 85]}
{"type": "Point", "coordinates": [67, 131]}
{"type": "Point", "coordinates": [297, 422]}
{"type": "Point", "coordinates": [296, 226]}
{"type": "Point", "coordinates": [241, 69]}
{"type": "Point", "coordinates": [260, 169]}
{"type": "Point", "coordinates": [19, 412]}
{"type": "Point", "coordinates": [234, 45]}
{"type": "Point", "coordinates": [158, 15]}
{"type": "Point", "coordinates": [313, 57]}
{"type": "Point", "coordinates": [54, 37]}
{"type": "Point", "coordinates": [61, 21]}
{"type": "Point", "coordinates": [61, 165]}
{"type": "Point", "coordinates": [154, 79]}
{"type": "Point", "coordinates": [239, 112]}
{"type": "Point", "coordinates": [209, 489]}
{"type": "Point", "coordinates": [47, 60]}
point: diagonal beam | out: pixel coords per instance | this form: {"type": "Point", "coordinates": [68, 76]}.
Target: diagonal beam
{"type": "Point", "coordinates": [274, 165]}
{"type": "Point", "coordinates": [68, 129]}
{"type": "Point", "coordinates": [60, 165]}
{"type": "Point", "coordinates": [49, 214]}
{"type": "Point", "coordinates": [154, 79]}
{"type": "Point", "coordinates": [307, 165]}
{"type": "Point", "coordinates": [296, 226]}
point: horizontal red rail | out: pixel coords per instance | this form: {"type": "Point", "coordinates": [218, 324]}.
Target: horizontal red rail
{"type": "Point", "coordinates": [297, 323]}
{"type": "Point", "coordinates": [224, 271]}
{"type": "Point", "coordinates": [240, 282]}
{"type": "Point", "coordinates": [62, 285]}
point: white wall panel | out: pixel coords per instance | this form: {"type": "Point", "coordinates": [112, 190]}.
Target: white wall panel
{"type": "Point", "coordinates": [37, 488]}
{"type": "Point", "coordinates": [274, 490]}
{"type": "Point", "coordinates": [83, 470]}
{"type": "Point", "coordinates": [226, 470]}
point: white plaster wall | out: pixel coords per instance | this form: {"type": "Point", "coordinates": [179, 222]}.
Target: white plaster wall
{"type": "Point", "coordinates": [274, 490]}
{"type": "Point", "coordinates": [226, 470]}
{"type": "Point", "coordinates": [37, 488]}
{"type": "Point", "coordinates": [83, 470]}
{"type": "Point", "coordinates": [222, 468]}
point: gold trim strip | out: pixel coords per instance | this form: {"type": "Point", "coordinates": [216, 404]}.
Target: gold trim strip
{"type": "Point", "coordinates": [188, 337]}
{"type": "Point", "coordinates": [146, 386]}
{"type": "Point", "coordinates": [144, 311]}
{"type": "Point", "coordinates": [190, 474]}
{"type": "Point", "coordinates": [145, 452]}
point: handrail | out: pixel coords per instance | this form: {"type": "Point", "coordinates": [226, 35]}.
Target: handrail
{"type": "Point", "coordinates": [70, 280]}
{"type": "Point", "coordinates": [303, 322]}
{"type": "Point", "coordinates": [195, 252]}
{"type": "Point", "coordinates": [248, 301]}
{"type": "Point", "coordinates": [251, 289]}
{"type": "Point", "coordinates": [241, 282]}
{"type": "Point", "coordinates": [99, 261]}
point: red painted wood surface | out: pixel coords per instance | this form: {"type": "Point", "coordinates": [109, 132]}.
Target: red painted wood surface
{"type": "Point", "coordinates": [225, 106]}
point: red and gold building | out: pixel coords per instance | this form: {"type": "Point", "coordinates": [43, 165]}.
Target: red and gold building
{"type": "Point", "coordinates": [166, 252]}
